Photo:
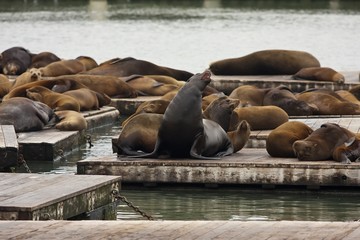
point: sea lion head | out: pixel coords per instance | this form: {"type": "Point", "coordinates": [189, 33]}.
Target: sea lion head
{"type": "Point", "coordinates": [305, 150]}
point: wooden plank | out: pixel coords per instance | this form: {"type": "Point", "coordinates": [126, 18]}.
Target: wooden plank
{"type": "Point", "coordinates": [171, 230]}
{"type": "Point", "coordinates": [8, 147]}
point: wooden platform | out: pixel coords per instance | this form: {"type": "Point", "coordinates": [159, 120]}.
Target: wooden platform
{"type": "Point", "coordinates": [42, 197]}
{"type": "Point", "coordinates": [171, 230]}
{"type": "Point", "coordinates": [52, 144]}
{"type": "Point", "coordinates": [8, 147]}
{"type": "Point", "coordinates": [248, 166]}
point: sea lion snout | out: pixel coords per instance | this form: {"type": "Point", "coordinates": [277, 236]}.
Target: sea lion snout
{"type": "Point", "coordinates": [206, 75]}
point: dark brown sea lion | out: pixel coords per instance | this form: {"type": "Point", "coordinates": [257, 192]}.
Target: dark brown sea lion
{"type": "Point", "coordinates": [249, 95]}
{"type": "Point", "coordinates": [206, 100]}
{"type": "Point", "coordinates": [328, 104]}
{"type": "Point", "coordinates": [15, 60]}
{"type": "Point", "coordinates": [280, 140]}
{"type": "Point", "coordinates": [57, 85]}
{"type": "Point", "coordinates": [43, 59]}
{"type": "Point", "coordinates": [25, 114]}
{"type": "Point", "coordinates": [284, 98]}
{"type": "Point", "coordinates": [183, 131]}
{"type": "Point", "coordinates": [88, 62]}
{"type": "Point", "coordinates": [320, 74]}
{"type": "Point", "coordinates": [321, 143]}
{"type": "Point", "coordinates": [348, 152]}
{"type": "Point", "coordinates": [54, 100]}
{"type": "Point", "coordinates": [112, 86]}
{"type": "Point", "coordinates": [87, 98]}
{"type": "Point", "coordinates": [259, 117]}
{"type": "Point", "coordinates": [59, 68]}
{"type": "Point", "coordinates": [70, 121]}
{"type": "Point", "coordinates": [266, 62]}
{"type": "Point", "coordinates": [130, 66]}
{"type": "Point", "coordinates": [220, 110]}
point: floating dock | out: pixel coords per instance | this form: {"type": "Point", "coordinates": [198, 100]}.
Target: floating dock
{"type": "Point", "coordinates": [26, 196]}
{"type": "Point", "coordinates": [171, 230]}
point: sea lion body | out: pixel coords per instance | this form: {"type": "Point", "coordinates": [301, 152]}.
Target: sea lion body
{"type": "Point", "coordinates": [249, 95]}
{"type": "Point", "coordinates": [148, 86]}
{"type": "Point", "coordinates": [266, 62]}
{"type": "Point", "coordinates": [5, 85]}
{"type": "Point", "coordinates": [87, 98]}
{"type": "Point", "coordinates": [240, 136]}
{"type": "Point", "coordinates": [320, 74]}
{"type": "Point", "coordinates": [59, 68]}
{"type": "Point", "coordinates": [15, 60]}
{"type": "Point", "coordinates": [321, 143]}
{"type": "Point", "coordinates": [280, 140]}
{"type": "Point", "coordinates": [70, 121]}
{"type": "Point", "coordinates": [88, 62]}
{"type": "Point", "coordinates": [43, 59]}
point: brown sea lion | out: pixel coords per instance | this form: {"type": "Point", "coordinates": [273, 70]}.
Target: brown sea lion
{"type": "Point", "coordinates": [348, 152]}
{"type": "Point", "coordinates": [166, 80]}
{"type": "Point", "coordinates": [328, 104]}
{"type": "Point", "coordinates": [87, 98]}
{"type": "Point", "coordinates": [57, 85]}
{"type": "Point", "coordinates": [322, 142]}
{"type": "Point", "coordinates": [266, 62]}
{"type": "Point", "coordinates": [355, 91]}
{"type": "Point", "coordinates": [43, 59]}
{"type": "Point", "coordinates": [15, 60]}
{"type": "Point", "coordinates": [240, 136]}
{"type": "Point", "coordinates": [184, 133]}
{"type": "Point", "coordinates": [25, 114]}
{"type": "Point", "coordinates": [149, 87]}
{"type": "Point", "coordinates": [249, 95]}
{"type": "Point", "coordinates": [130, 66]}
{"type": "Point", "coordinates": [206, 100]}
{"type": "Point", "coordinates": [169, 95]}
{"type": "Point", "coordinates": [284, 98]}
{"type": "Point", "coordinates": [259, 117]}
{"type": "Point", "coordinates": [88, 62]}
{"type": "Point", "coordinates": [59, 68]}
{"type": "Point", "coordinates": [103, 99]}
{"type": "Point", "coordinates": [319, 74]}
{"type": "Point", "coordinates": [54, 100]}
{"type": "Point", "coordinates": [348, 96]}
{"type": "Point", "coordinates": [220, 110]}
{"type": "Point", "coordinates": [70, 121]}
{"type": "Point", "coordinates": [280, 140]}
{"type": "Point", "coordinates": [112, 86]}
{"type": "Point", "coordinates": [5, 85]}
{"type": "Point", "coordinates": [26, 77]}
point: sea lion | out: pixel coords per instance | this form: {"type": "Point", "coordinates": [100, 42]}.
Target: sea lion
{"type": "Point", "coordinates": [184, 133]}
{"type": "Point", "coordinates": [319, 74]}
{"type": "Point", "coordinates": [130, 66]}
{"type": "Point", "coordinates": [5, 85]}
{"type": "Point", "coordinates": [88, 62]}
{"type": "Point", "coordinates": [148, 86]}
{"type": "Point", "coordinates": [206, 100]}
{"type": "Point", "coordinates": [15, 60]}
{"type": "Point", "coordinates": [355, 91]}
{"type": "Point", "coordinates": [322, 142]}
{"type": "Point", "coordinates": [266, 62]}
{"type": "Point", "coordinates": [169, 95]}
{"type": "Point", "coordinates": [59, 68]}
{"type": "Point", "coordinates": [284, 98]}
{"type": "Point", "coordinates": [43, 59]}
{"type": "Point", "coordinates": [328, 104]}
{"type": "Point", "coordinates": [220, 110]}
{"type": "Point", "coordinates": [240, 136]}
{"type": "Point", "coordinates": [26, 77]}
{"type": "Point", "coordinates": [112, 86]}
{"type": "Point", "coordinates": [103, 99]}
{"type": "Point", "coordinates": [249, 95]}
{"type": "Point", "coordinates": [348, 96]}
{"type": "Point", "coordinates": [348, 152]}
{"type": "Point", "coordinates": [25, 114]}
{"type": "Point", "coordinates": [70, 121]}
{"type": "Point", "coordinates": [259, 117]}
{"type": "Point", "coordinates": [87, 98]}
{"type": "Point", "coordinates": [166, 80]}
{"type": "Point", "coordinates": [54, 100]}
{"type": "Point", "coordinates": [280, 140]}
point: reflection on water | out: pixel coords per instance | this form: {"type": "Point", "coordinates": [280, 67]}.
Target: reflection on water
{"type": "Point", "coordinates": [240, 204]}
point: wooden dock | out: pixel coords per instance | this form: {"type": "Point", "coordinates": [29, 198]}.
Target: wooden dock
{"type": "Point", "coordinates": [26, 196]}
{"type": "Point", "coordinates": [52, 144]}
{"type": "Point", "coordinates": [8, 147]}
{"type": "Point", "coordinates": [252, 166]}
{"type": "Point", "coordinates": [171, 230]}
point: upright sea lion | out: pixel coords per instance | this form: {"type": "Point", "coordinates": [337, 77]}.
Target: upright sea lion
{"type": "Point", "coordinates": [259, 117]}
{"type": "Point", "coordinates": [348, 152]}
{"type": "Point", "coordinates": [280, 140]}
{"type": "Point", "coordinates": [54, 100]}
{"type": "Point", "coordinates": [320, 74]}
{"type": "Point", "coordinates": [25, 114]}
{"type": "Point", "coordinates": [59, 68]}
{"type": "Point", "coordinates": [249, 95]}
{"type": "Point", "coordinates": [87, 98]}
{"type": "Point", "coordinates": [15, 60]}
{"type": "Point", "coordinates": [70, 121]}
{"type": "Point", "coordinates": [43, 59]}
{"type": "Point", "coordinates": [284, 98]}
{"type": "Point", "coordinates": [266, 62]}
{"type": "Point", "coordinates": [184, 133]}
{"type": "Point", "coordinates": [321, 143]}
{"type": "Point", "coordinates": [240, 136]}
{"type": "Point", "coordinates": [130, 66]}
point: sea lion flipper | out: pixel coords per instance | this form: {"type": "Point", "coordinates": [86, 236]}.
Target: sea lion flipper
{"type": "Point", "coordinates": [196, 150]}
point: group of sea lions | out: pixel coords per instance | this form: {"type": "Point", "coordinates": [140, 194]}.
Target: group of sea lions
{"type": "Point", "coordinates": [191, 118]}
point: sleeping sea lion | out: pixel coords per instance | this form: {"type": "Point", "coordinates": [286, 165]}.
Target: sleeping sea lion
{"type": "Point", "coordinates": [70, 121]}
{"type": "Point", "coordinates": [15, 60]}
{"type": "Point", "coordinates": [43, 59]}
{"type": "Point", "coordinates": [59, 68]}
{"type": "Point", "coordinates": [319, 74]}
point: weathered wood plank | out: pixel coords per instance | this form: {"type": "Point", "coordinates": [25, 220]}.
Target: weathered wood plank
{"type": "Point", "coordinates": [171, 230]}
